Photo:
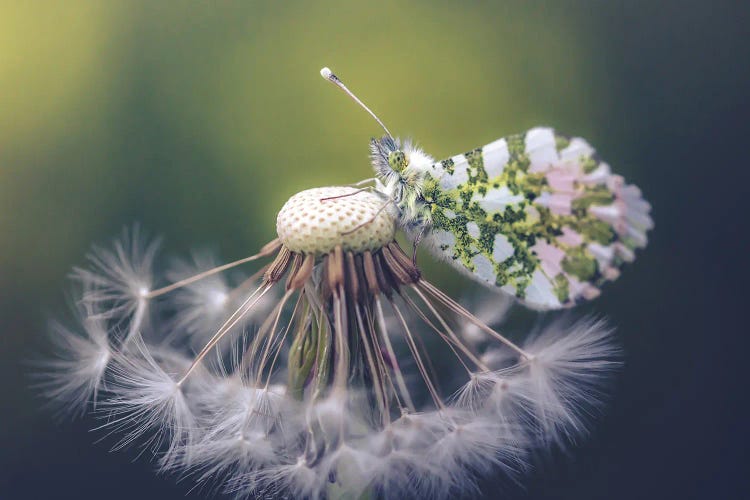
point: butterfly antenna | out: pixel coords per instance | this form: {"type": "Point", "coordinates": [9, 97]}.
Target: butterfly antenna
{"type": "Point", "coordinates": [328, 75]}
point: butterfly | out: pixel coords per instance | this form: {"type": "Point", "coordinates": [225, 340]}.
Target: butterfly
{"type": "Point", "coordinates": [537, 215]}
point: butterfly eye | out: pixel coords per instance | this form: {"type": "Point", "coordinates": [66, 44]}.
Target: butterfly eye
{"type": "Point", "coordinates": [397, 160]}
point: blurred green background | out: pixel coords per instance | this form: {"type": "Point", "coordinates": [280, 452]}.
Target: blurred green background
{"type": "Point", "coordinates": [199, 119]}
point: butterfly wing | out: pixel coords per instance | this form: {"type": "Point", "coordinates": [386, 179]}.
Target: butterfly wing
{"type": "Point", "coordinates": [538, 215]}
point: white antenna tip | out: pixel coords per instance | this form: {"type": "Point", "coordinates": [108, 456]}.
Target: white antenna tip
{"type": "Point", "coordinates": [328, 75]}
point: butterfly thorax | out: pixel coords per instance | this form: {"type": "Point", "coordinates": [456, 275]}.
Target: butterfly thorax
{"type": "Point", "coordinates": [402, 172]}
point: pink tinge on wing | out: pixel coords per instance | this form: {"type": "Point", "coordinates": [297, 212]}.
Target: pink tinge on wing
{"type": "Point", "coordinates": [539, 168]}
{"type": "Point", "coordinates": [558, 203]}
{"type": "Point", "coordinates": [610, 273]}
{"type": "Point", "coordinates": [550, 256]}
{"type": "Point", "coordinates": [611, 214]}
{"type": "Point", "coordinates": [615, 183]}
{"type": "Point", "coordinates": [570, 237]}
{"type": "Point", "coordinates": [630, 192]}
{"type": "Point", "coordinates": [624, 252]}
{"type": "Point", "coordinates": [590, 292]}
{"type": "Point", "coordinates": [636, 208]}
{"type": "Point", "coordinates": [639, 219]}
{"type": "Point", "coordinates": [603, 254]}
{"type": "Point", "coordinates": [634, 219]}
{"type": "Point", "coordinates": [577, 149]}
{"type": "Point", "coordinates": [628, 214]}
{"type": "Point", "coordinates": [561, 180]}
{"type": "Point", "coordinates": [637, 236]}
{"type": "Point", "coordinates": [598, 176]}
{"type": "Point", "coordinates": [582, 289]}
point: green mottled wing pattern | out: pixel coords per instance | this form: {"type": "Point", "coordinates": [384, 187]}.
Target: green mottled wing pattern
{"type": "Point", "coordinates": [538, 215]}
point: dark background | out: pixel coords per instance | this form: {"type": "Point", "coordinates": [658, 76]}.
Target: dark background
{"type": "Point", "coordinates": [200, 119]}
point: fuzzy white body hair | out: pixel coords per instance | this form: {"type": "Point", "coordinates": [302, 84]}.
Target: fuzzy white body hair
{"type": "Point", "coordinates": [405, 187]}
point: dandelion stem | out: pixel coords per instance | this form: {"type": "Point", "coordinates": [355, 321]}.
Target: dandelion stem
{"type": "Point", "coordinates": [272, 331]}
{"type": "Point", "coordinates": [281, 342]}
{"type": "Point", "coordinates": [323, 354]}
{"type": "Point", "coordinates": [304, 348]}
{"type": "Point", "coordinates": [385, 374]}
{"type": "Point", "coordinates": [453, 338]}
{"type": "Point", "coordinates": [341, 373]}
{"type": "Point", "coordinates": [375, 370]}
{"type": "Point", "coordinates": [392, 356]}
{"type": "Point", "coordinates": [418, 358]}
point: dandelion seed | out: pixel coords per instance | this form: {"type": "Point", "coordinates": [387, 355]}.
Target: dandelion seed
{"type": "Point", "coordinates": [147, 401]}
{"type": "Point", "coordinates": [567, 376]}
{"type": "Point", "coordinates": [75, 375]}
{"type": "Point", "coordinates": [118, 281]}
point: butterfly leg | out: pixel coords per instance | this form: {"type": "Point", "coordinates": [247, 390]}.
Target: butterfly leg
{"type": "Point", "coordinates": [418, 239]}
{"type": "Point", "coordinates": [364, 181]}
{"type": "Point", "coordinates": [368, 221]}
{"type": "Point", "coordinates": [368, 188]}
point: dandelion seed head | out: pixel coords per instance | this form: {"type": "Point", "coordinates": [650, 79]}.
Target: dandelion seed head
{"type": "Point", "coordinates": [315, 377]}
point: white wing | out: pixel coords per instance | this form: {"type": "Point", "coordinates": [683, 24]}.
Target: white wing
{"type": "Point", "coordinates": [537, 215]}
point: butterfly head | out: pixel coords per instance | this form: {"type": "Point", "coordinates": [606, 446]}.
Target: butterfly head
{"type": "Point", "coordinates": [388, 159]}
{"type": "Point", "coordinates": [397, 160]}
{"type": "Point", "coordinates": [394, 160]}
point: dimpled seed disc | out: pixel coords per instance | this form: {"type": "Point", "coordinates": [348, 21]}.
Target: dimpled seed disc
{"type": "Point", "coordinates": [308, 225]}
